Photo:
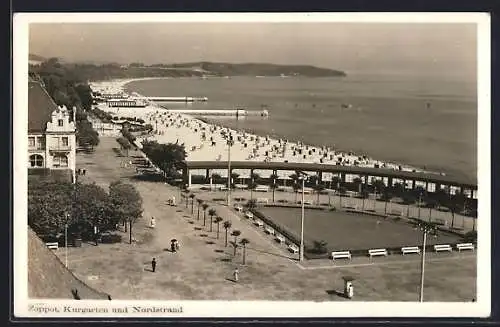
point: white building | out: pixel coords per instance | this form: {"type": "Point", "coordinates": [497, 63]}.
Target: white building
{"type": "Point", "coordinates": [51, 135]}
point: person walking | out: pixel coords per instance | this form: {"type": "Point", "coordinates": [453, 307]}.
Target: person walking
{"type": "Point", "coordinates": [177, 246]}
{"type": "Point", "coordinates": [236, 274]}
{"type": "Point", "coordinates": [153, 222]}
{"type": "Point", "coordinates": [153, 264]}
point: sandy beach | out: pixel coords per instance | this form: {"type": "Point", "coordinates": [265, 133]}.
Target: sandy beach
{"type": "Point", "coordinates": [209, 142]}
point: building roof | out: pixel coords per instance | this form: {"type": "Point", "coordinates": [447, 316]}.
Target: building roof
{"type": "Point", "coordinates": [381, 172]}
{"type": "Point", "coordinates": [40, 107]}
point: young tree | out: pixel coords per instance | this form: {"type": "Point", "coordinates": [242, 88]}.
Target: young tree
{"type": "Point", "coordinates": [124, 144]}
{"type": "Point", "coordinates": [244, 242]}
{"type": "Point", "coordinates": [296, 185]}
{"type": "Point", "coordinates": [204, 206]}
{"type": "Point", "coordinates": [211, 213]}
{"type": "Point", "coordinates": [126, 203]}
{"type": "Point", "coordinates": [386, 196]}
{"type": "Point", "coordinates": [357, 182]}
{"type": "Point", "coordinates": [273, 185]}
{"type": "Point", "coordinates": [218, 220]}
{"type": "Point", "coordinates": [192, 196]}
{"type": "Point", "coordinates": [234, 178]}
{"type": "Point", "coordinates": [235, 233]}
{"type": "Point", "coordinates": [200, 202]}
{"type": "Point", "coordinates": [318, 188]}
{"type": "Point", "coordinates": [364, 195]}
{"type": "Point", "coordinates": [186, 196]}
{"type": "Point", "coordinates": [227, 225]}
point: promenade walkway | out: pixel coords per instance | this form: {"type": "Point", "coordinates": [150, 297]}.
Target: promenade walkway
{"type": "Point", "coordinates": [202, 269]}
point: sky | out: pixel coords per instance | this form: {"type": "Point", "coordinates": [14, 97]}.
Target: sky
{"type": "Point", "coordinates": [396, 48]}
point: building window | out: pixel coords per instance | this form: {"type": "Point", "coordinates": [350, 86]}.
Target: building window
{"type": "Point", "coordinates": [60, 122]}
{"type": "Point", "coordinates": [65, 141]}
{"type": "Point", "coordinates": [60, 161]}
{"type": "Point", "coordinates": [31, 141]}
{"type": "Point", "coordinates": [36, 160]}
{"type": "Point", "coordinates": [40, 142]}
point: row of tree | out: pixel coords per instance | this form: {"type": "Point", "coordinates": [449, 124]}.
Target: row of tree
{"type": "Point", "coordinates": [81, 207]}
{"type": "Point", "coordinates": [168, 157]}
{"type": "Point", "coordinates": [216, 219]}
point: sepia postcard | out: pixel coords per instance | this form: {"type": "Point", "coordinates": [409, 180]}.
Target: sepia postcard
{"type": "Point", "coordinates": [251, 165]}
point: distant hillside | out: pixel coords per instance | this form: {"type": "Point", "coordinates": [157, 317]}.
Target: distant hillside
{"type": "Point", "coordinates": [93, 72]}
{"type": "Point", "coordinates": [257, 69]}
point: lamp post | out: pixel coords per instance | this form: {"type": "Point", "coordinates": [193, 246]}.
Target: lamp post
{"type": "Point", "coordinates": [419, 203]}
{"type": "Point", "coordinates": [303, 177]}
{"type": "Point", "coordinates": [66, 239]}
{"type": "Point", "coordinates": [230, 142]}
{"type": "Point", "coordinates": [425, 228]}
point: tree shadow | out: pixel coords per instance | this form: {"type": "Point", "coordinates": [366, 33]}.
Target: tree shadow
{"type": "Point", "coordinates": [337, 293]}
{"type": "Point", "coordinates": [198, 228]}
{"type": "Point", "coordinates": [226, 259]}
{"type": "Point", "coordinates": [203, 235]}
{"type": "Point", "coordinates": [210, 242]}
{"type": "Point", "coordinates": [219, 251]}
{"type": "Point", "coordinates": [191, 222]}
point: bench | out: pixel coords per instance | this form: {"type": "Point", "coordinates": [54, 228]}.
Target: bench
{"type": "Point", "coordinates": [308, 202]}
{"type": "Point", "coordinates": [377, 252]}
{"type": "Point", "coordinates": [269, 230]}
{"type": "Point", "coordinates": [442, 247]}
{"type": "Point", "coordinates": [223, 188]}
{"type": "Point", "coordinates": [259, 223]}
{"type": "Point", "coordinates": [341, 255]}
{"type": "Point", "coordinates": [262, 188]}
{"type": "Point", "coordinates": [52, 245]}
{"type": "Point", "coordinates": [248, 215]}
{"type": "Point", "coordinates": [410, 249]}
{"type": "Point", "coordinates": [280, 238]}
{"type": "Point", "coordinates": [465, 246]}
{"type": "Point", "coordinates": [293, 248]}
{"type": "Point", "coordinates": [262, 200]}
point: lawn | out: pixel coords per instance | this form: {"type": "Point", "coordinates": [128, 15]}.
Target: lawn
{"type": "Point", "coordinates": [351, 231]}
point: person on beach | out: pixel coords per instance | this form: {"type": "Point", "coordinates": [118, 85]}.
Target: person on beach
{"type": "Point", "coordinates": [153, 222]}
{"type": "Point", "coordinates": [153, 265]}
{"type": "Point", "coordinates": [177, 246]}
{"type": "Point", "coordinates": [172, 246]}
{"type": "Point", "coordinates": [236, 274]}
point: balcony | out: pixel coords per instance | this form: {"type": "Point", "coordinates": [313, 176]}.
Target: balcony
{"type": "Point", "coordinates": [60, 148]}
{"type": "Point", "coordinates": [36, 148]}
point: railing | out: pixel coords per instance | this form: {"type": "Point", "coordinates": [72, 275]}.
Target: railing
{"type": "Point", "coordinates": [36, 147]}
{"type": "Point", "coordinates": [60, 148]}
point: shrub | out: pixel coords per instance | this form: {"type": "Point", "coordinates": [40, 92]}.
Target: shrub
{"type": "Point", "coordinates": [111, 238]}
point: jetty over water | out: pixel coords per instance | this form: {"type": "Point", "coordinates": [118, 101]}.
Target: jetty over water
{"type": "Point", "coordinates": [177, 99]}
{"type": "Point", "coordinates": [221, 112]}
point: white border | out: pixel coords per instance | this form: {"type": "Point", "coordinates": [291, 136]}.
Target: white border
{"type": "Point", "coordinates": [481, 308]}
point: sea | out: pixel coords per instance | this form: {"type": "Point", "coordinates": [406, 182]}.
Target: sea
{"type": "Point", "coordinates": [426, 122]}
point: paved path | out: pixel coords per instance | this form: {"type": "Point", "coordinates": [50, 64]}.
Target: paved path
{"type": "Point", "coordinates": [202, 268]}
